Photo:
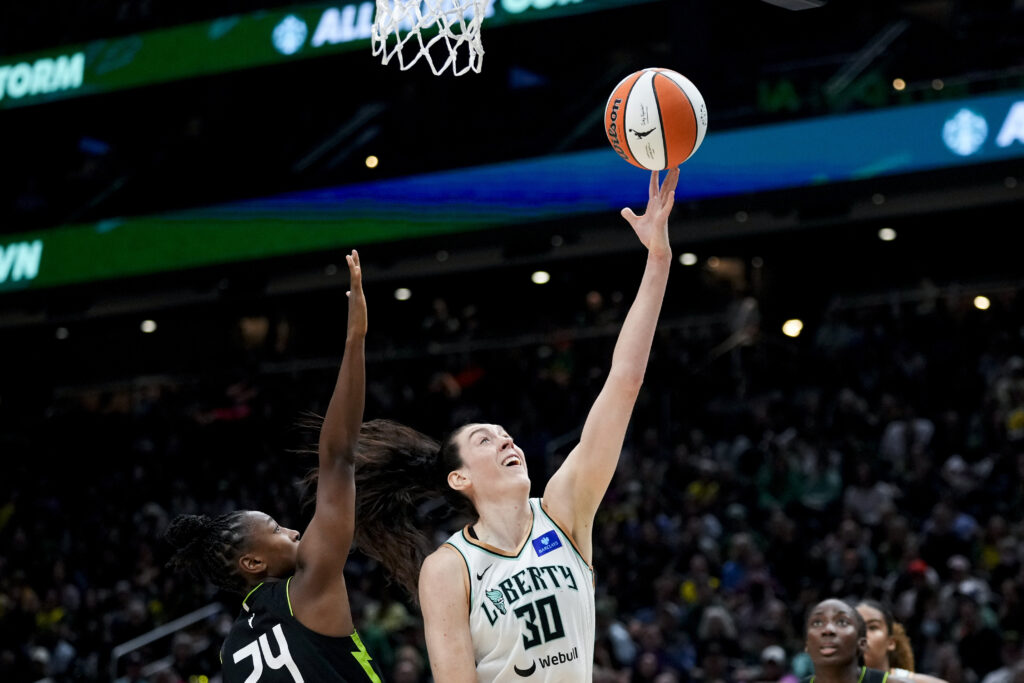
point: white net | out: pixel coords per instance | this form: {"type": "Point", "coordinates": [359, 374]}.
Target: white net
{"type": "Point", "coordinates": [446, 33]}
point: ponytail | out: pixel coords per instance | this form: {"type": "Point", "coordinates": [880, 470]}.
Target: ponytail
{"type": "Point", "coordinates": [902, 657]}
{"type": "Point", "coordinates": [402, 475]}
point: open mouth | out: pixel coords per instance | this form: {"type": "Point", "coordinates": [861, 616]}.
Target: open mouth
{"type": "Point", "coordinates": [511, 461]}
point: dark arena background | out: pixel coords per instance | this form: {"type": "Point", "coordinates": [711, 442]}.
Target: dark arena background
{"type": "Point", "coordinates": [835, 399]}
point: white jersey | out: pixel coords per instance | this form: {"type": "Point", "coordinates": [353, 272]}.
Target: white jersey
{"type": "Point", "coordinates": [531, 613]}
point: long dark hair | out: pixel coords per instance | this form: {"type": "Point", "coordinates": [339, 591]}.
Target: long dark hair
{"type": "Point", "coordinates": [902, 657]}
{"type": "Point", "coordinates": [209, 548]}
{"type": "Point", "coordinates": [401, 479]}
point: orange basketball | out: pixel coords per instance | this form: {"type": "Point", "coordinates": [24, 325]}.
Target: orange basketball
{"type": "Point", "coordinates": [655, 119]}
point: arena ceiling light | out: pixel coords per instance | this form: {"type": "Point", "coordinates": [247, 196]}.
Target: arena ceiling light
{"type": "Point", "coordinates": [688, 259]}
{"type": "Point", "coordinates": [540, 277]}
{"type": "Point", "coordinates": [982, 303]}
{"type": "Point", "coordinates": [793, 327]}
{"type": "Point", "coordinates": [403, 294]}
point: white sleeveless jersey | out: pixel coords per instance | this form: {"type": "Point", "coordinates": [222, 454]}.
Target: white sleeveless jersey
{"type": "Point", "coordinates": [531, 613]}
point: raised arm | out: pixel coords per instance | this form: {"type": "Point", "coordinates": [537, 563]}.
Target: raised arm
{"type": "Point", "coordinates": [317, 593]}
{"type": "Point", "coordinates": [576, 489]}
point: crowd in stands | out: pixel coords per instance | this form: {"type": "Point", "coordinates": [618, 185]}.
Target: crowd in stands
{"type": "Point", "coordinates": [879, 455]}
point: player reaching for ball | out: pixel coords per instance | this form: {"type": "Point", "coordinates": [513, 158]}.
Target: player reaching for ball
{"type": "Point", "coordinates": [511, 596]}
{"type": "Point", "coordinates": [295, 623]}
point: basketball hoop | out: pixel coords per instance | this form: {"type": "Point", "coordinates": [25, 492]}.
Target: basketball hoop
{"type": "Point", "coordinates": [402, 29]}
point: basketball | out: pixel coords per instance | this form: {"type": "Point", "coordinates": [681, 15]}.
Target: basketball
{"type": "Point", "coordinates": [655, 119]}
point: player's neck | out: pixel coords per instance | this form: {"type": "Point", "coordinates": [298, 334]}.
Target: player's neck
{"type": "Point", "coordinates": [849, 673]}
{"type": "Point", "coordinates": [504, 524]}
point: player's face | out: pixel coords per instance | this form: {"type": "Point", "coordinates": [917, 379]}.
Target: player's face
{"type": "Point", "coordinates": [832, 638]}
{"type": "Point", "coordinates": [491, 459]}
{"type": "Point", "coordinates": [880, 641]}
{"type": "Point", "coordinates": [276, 545]}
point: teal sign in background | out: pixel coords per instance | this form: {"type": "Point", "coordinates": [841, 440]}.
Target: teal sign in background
{"type": "Point", "coordinates": [796, 154]}
{"type": "Point", "coordinates": [226, 44]}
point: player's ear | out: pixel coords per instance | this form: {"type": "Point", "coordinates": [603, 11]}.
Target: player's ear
{"type": "Point", "coordinates": [250, 563]}
{"type": "Point", "coordinates": [458, 479]}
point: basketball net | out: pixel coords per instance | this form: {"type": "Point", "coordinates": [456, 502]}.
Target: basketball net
{"type": "Point", "coordinates": [402, 29]}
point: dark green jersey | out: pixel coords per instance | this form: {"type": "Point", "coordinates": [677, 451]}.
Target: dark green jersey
{"type": "Point", "coordinates": [267, 644]}
{"type": "Point", "coordinates": [866, 676]}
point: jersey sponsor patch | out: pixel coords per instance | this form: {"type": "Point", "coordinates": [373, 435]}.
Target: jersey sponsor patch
{"type": "Point", "coordinates": [547, 543]}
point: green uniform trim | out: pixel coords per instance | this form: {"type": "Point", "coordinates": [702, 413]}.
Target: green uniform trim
{"type": "Point", "coordinates": [364, 659]}
{"type": "Point", "coordinates": [863, 671]}
{"type": "Point", "coordinates": [249, 595]}
{"type": "Point", "coordinates": [288, 594]}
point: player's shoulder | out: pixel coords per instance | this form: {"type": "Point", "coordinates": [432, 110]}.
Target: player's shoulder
{"type": "Point", "coordinates": [443, 569]}
{"type": "Point", "coordinates": [444, 578]}
{"type": "Point", "coordinates": [446, 558]}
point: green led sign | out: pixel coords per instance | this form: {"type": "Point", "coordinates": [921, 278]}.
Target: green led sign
{"type": "Point", "coordinates": [19, 262]}
{"type": "Point", "coordinates": [226, 44]}
{"type": "Point", "coordinates": [739, 162]}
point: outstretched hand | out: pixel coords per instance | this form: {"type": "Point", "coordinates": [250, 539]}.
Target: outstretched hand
{"type": "Point", "coordinates": [652, 226]}
{"type": "Point", "coordinates": [356, 300]}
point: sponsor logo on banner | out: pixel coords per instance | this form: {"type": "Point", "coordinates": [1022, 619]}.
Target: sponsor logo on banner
{"type": "Point", "coordinates": [290, 35]}
{"type": "Point", "coordinates": [43, 76]}
{"type": "Point", "coordinates": [966, 131]}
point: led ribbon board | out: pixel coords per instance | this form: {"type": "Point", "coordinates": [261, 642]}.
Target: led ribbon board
{"type": "Point", "coordinates": [226, 44]}
{"type": "Point", "coordinates": [789, 155]}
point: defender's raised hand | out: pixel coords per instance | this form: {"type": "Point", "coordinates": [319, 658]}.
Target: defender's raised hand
{"type": "Point", "coordinates": [356, 300]}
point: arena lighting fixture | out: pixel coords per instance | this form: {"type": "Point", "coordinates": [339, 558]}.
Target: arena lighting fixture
{"type": "Point", "coordinates": [372, 161]}
{"type": "Point", "coordinates": [688, 259]}
{"type": "Point", "coordinates": [62, 333]}
{"type": "Point", "coordinates": [982, 303]}
{"type": "Point", "coordinates": [148, 326]}
{"type": "Point", "coordinates": [887, 234]}
{"type": "Point", "coordinates": [793, 327]}
{"type": "Point", "coordinates": [403, 294]}
{"type": "Point", "coordinates": [899, 84]}
{"type": "Point", "coordinates": [540, 277]}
